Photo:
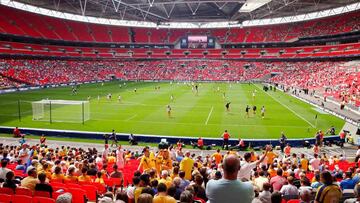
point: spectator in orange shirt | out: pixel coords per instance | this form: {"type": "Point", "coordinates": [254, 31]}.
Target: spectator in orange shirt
{"type": "Point", "coordinates": [217, 157]}
{"type": "Point", "coordinates": [226, 137]}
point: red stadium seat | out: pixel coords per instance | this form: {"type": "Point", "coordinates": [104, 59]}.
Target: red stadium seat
{"type": "Point", "coordinates": [23, 191]}
{"type": "Point", "coordinates": [5, 190]}
{"type": "Point", "coordinates": [294, 201]}
{"type": "Point", "coordinates": [5, 198]}
{"type": "Point", "coordinates": [91, 192]}
{"type": "Point", "coordinates": [78, 195]}
{"type": "Point", "coordinates": [42, 194]}
{"type": "Point", "coordinates": [21, 199]}
{"type": "Point", "coordinates": [43, 200]}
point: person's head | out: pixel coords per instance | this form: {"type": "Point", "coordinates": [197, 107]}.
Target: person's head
{"type": "Point", "coordinates": [57, 170]}
{"type": "Point", "coordinates": [148, 190]}
{"type": "Point", "coordinates": [145, 198]}
{"type": "Point", "coordinates": [84, 171]}
{"type": "Point", "coordinates": [64, 198]}
{"type": "Point", "coordinates": [182, 174]}
{"type": "Point", "coordinates": [326, 178]}
{"type": "Point", "coordinates": [136, 180]}
{"type": "Point", "coordinates": [276, 197]}
{"type": "Point", "coordinates": [231, 166]}
{"type": "Point", "coordinates": [115, 167]}
{"type": "Point", "coordinates": [305, 195]}
{"type": "Point", "coordinates": [10, 175]}
{"type": "Point", "coordinates": [279, 172]}
{"type": "Point", "coordinates": [266, 186]}
{"type": "Point", "coordinates": [4, 163]}
{"type": "Point", "coordinates": [121, 195]}
{"type": "Point", "coordinates": [218, 175]}
{"type": "Point", "coordinates": [177, 181]}
{"type": "Point", "coordinates": [199, 180]}
{"type": "Point", "coordinates": [161, 187]}
{"type": "Point", "coordinates": [98, 174]}
{"type": "Point", "coordinates": [164, 174]}
{"type": "Point", "coordinates": [247, 156]}
{"type": "Point", "coordinates": [171, 191]}
{"type": "Point", "coordinates": [186, 197]}
{"type": "Point", "coordinates": [348, 174]}
{"type": "Point", "coordinates": [144, 180]}
{"type": "Point", "coordinates": [290, 180]}
{"type": "Point", "coordinates": [42, 177]}
{"type": "Point", "coordinates": [357, 191]}
{"type": "Point", "coordinates": [32, 173]}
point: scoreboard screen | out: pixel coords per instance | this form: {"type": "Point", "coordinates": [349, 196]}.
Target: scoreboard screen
{"type": "Point", "coordinates": [197, 42]}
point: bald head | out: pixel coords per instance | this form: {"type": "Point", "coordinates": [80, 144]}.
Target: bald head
{"type": "Point", "coordinates": [231, 166]}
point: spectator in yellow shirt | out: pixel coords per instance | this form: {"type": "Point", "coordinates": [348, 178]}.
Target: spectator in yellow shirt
{"type": "Point", "coordinates": [145, 162]}
{"type": "Point", "coordinates": [186, 165]}
{"type": "Point", "coordinates": [71, 175]}
{"type": "Point", "coordinates": [165, 179]}
{"type": "Point", "coordinates": [162, 196]}
{"type": "Point", "coordinates": [84, 177]}
{"type": "Point", "coordinates": [30, 181]}
{"type": "Point", "coordinates": [99, 178]}
{"type": "Point", "coordinates": [304, 162]}
{"type": "Point", "coordinates": [166, 161]}
{"type": "Point", "coordinates": [58, 175]}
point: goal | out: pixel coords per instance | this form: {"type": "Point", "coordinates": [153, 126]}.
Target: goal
{"type": "Point", "coordinates": [61, 111]}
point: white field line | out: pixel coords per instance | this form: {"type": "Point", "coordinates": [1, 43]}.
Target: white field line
{"type": "Point", "coordinates": [131, 117]}
{"type": "Point", "coordinates": [284, 105]}
{"type": "Point", "coordinates": [207, 120]}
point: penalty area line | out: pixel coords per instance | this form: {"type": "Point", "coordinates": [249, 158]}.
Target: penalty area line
{"type": "Point", "coordinates": [207, 120]}
{"type": "Point", "coordinates": [131, 117]}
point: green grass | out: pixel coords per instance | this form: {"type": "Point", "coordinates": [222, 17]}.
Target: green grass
{"type": "Point", "coordinates": [203, 115]}
{"type": "Point", "coordinates": [79, 140]}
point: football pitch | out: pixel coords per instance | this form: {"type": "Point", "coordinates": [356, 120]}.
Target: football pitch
{"type": "Point", "coordinates": [195, 115]}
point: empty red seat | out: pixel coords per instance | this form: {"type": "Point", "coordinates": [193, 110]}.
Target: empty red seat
{"type": "Point", "coordinates": [21, 199]}
{"type": "Point", "coordinates": [78, 195]}
{"type": "Point", "coordinates": [43, 200]}
{"type": "Point", "coordinates": [23, 191]}
{"type": "Point", "coordinates": [91, 192]}
{"type": "Point", "coordinates": [5, 198]}
{"type": "Point", "coordinates": [6, 190]}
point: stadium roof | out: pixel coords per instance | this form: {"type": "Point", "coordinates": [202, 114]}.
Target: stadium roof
{"type": "Point", "coordinates": [199, 13]}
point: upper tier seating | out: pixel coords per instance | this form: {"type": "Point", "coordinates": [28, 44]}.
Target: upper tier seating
{"type": "Point", "coordinates": [18, 22]}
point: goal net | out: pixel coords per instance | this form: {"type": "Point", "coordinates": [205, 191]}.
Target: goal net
{"type": "Point", "coordinates": [61, 111]}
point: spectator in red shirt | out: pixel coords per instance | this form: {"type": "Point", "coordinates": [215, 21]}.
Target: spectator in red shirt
{"type": "Point", "coordinates": [342, 138]}
{"type": "Point", "coordinates": [278, 181]}
{"type": "Point", "coordinates": [200, 143]}
{"type": "Point", "coordinates": [16, 132]}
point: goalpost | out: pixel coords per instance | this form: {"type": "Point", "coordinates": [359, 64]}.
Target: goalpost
{"type": "Point", "coordinates": [61, 111]}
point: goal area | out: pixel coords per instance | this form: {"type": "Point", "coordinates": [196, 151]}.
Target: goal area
{"type": "Point", "coordinates": [61, 111]}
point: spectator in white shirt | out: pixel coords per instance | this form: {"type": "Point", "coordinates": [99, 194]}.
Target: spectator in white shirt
{"type": "Point", "coordinates": [315, 163]}
{"type": "Point", "coordinates": [265, 195]}
{"type": "Point", "coordinates": [290, 189]}
{"type": "Point", "coordinates": [259, 181]}
{"type": "Point", "coordinates": [3, 170]}
{"type": "Point", "coordinates": [247, 166]}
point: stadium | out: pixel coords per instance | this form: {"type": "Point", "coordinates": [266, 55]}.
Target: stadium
{"type": "Point", "coordinates": [274, 83]}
